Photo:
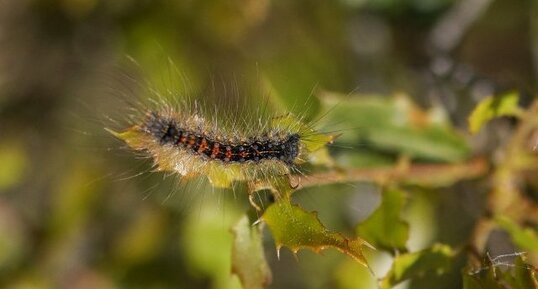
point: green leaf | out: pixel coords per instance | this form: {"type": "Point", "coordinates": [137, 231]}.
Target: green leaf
{"type": "Point", "coordinates": [518, 275]}
{"type": "Point", "coordinates": [382, 123]}
{"type": "Point", "coordinates": [435, 260]}
{"type": "Point", "coordinates": [385, 228]}
{"type": "Point", "coordinates": [492, 107]}
{"type": "Point", "coordinates": [521, 274]}
{"type": "Point", "coordinates": [350, 275]}
{"type": "Point", "coordinates": [297, 229]}
{"type": "Point", "coordinates": [524, 238]}
{"type": "Point", "coordinates": [133, 137]}
{"type": "Point", "coordinates": [248, 259]}
{"type": "Point", "coordinates": [525, 276]}
{"type": "Point", "coordinates": [207, 244]}
{"type": "Point", "coordinates": [482, 280]}
{"type": "Point", "coordinates": [469, 282]}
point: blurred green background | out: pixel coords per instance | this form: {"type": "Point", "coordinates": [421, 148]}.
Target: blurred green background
{"type": "Point", "coordinates": [74, 211]}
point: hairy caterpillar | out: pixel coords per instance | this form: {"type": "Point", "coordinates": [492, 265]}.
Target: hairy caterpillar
{"type": "Point", "coordinates": [194, 140]}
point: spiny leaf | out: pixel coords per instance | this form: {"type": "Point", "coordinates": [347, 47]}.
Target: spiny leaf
{"type": "Point", "coordinates": [297, 229]}
{"type": "Point", "coordinates": [524, 238]}
{"type": "Point", "coordinates": [435, 260]}
{"type": "Point", "coordinates": [492, 107]}
{"type": "Point", "coordinates": [385, 228]}
{"type": "Point", "coordinates": [248, 259]}
{"type": "Point", "coordinates": [132, 136]}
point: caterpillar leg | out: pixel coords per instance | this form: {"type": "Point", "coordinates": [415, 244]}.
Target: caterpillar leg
{"type": "Point", "coordinates": [252, 201]}
{"type": "Point", "coordinates": [296, 185]}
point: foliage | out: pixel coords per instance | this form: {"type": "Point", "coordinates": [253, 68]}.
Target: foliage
{"type": "Point", "coordinates": [296, 229]}
{"type": "Point", "coordinates": [524, 238]}
{"type": "Point", "coordinates": [384, 228]}
{"type": "Point", "coordinates": [383, 122]}
{"type": "Point", "coordinates": [492, 107]}
{"type": "Point", "coordinates": [248, 259]}
{"type": "Point", "coordinates": [434, 165]}
{"type": "Point", "coordinates": [517, 275]}
{"type": "Point", "coordinates": [435, 260]}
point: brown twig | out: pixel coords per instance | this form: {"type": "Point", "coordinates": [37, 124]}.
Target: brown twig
{"type": "Point", "coordinates": [433, 175]}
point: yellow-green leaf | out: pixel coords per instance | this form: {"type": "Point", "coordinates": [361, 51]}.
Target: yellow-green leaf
{"type": "Point", "coordinates": [492, 107]}
{"type": "Point", "coordinates": [297, 229]}
{"type": "Point", "coordinates": [385, 228]}
{"type": "Point", "coordinates": [524, 238]}
{"type": "Point", "coordinates": [248, 259]}
{"type": "Point", "coordinates": [435, 260]}
{"type": "Point", "coordinates": [132, 136]}
{"type": "Point", "coordinates": [314, 141]}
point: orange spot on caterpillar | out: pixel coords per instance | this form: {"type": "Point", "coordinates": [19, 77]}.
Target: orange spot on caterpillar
{"type": "Point", "coordinates": [182, 140]}
{"type": "Point", "coordinates": [203, 146]}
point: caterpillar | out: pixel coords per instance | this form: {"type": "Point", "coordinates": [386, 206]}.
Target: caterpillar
{"type": "Point", "coordinates": [192, 140]}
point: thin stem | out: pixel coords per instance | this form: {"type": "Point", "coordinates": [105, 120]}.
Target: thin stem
{"type": "Point", "coordinates": [432, 175]}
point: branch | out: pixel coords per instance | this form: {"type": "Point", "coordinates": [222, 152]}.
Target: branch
{"type": "Point", "coordinates": [431, 175]}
